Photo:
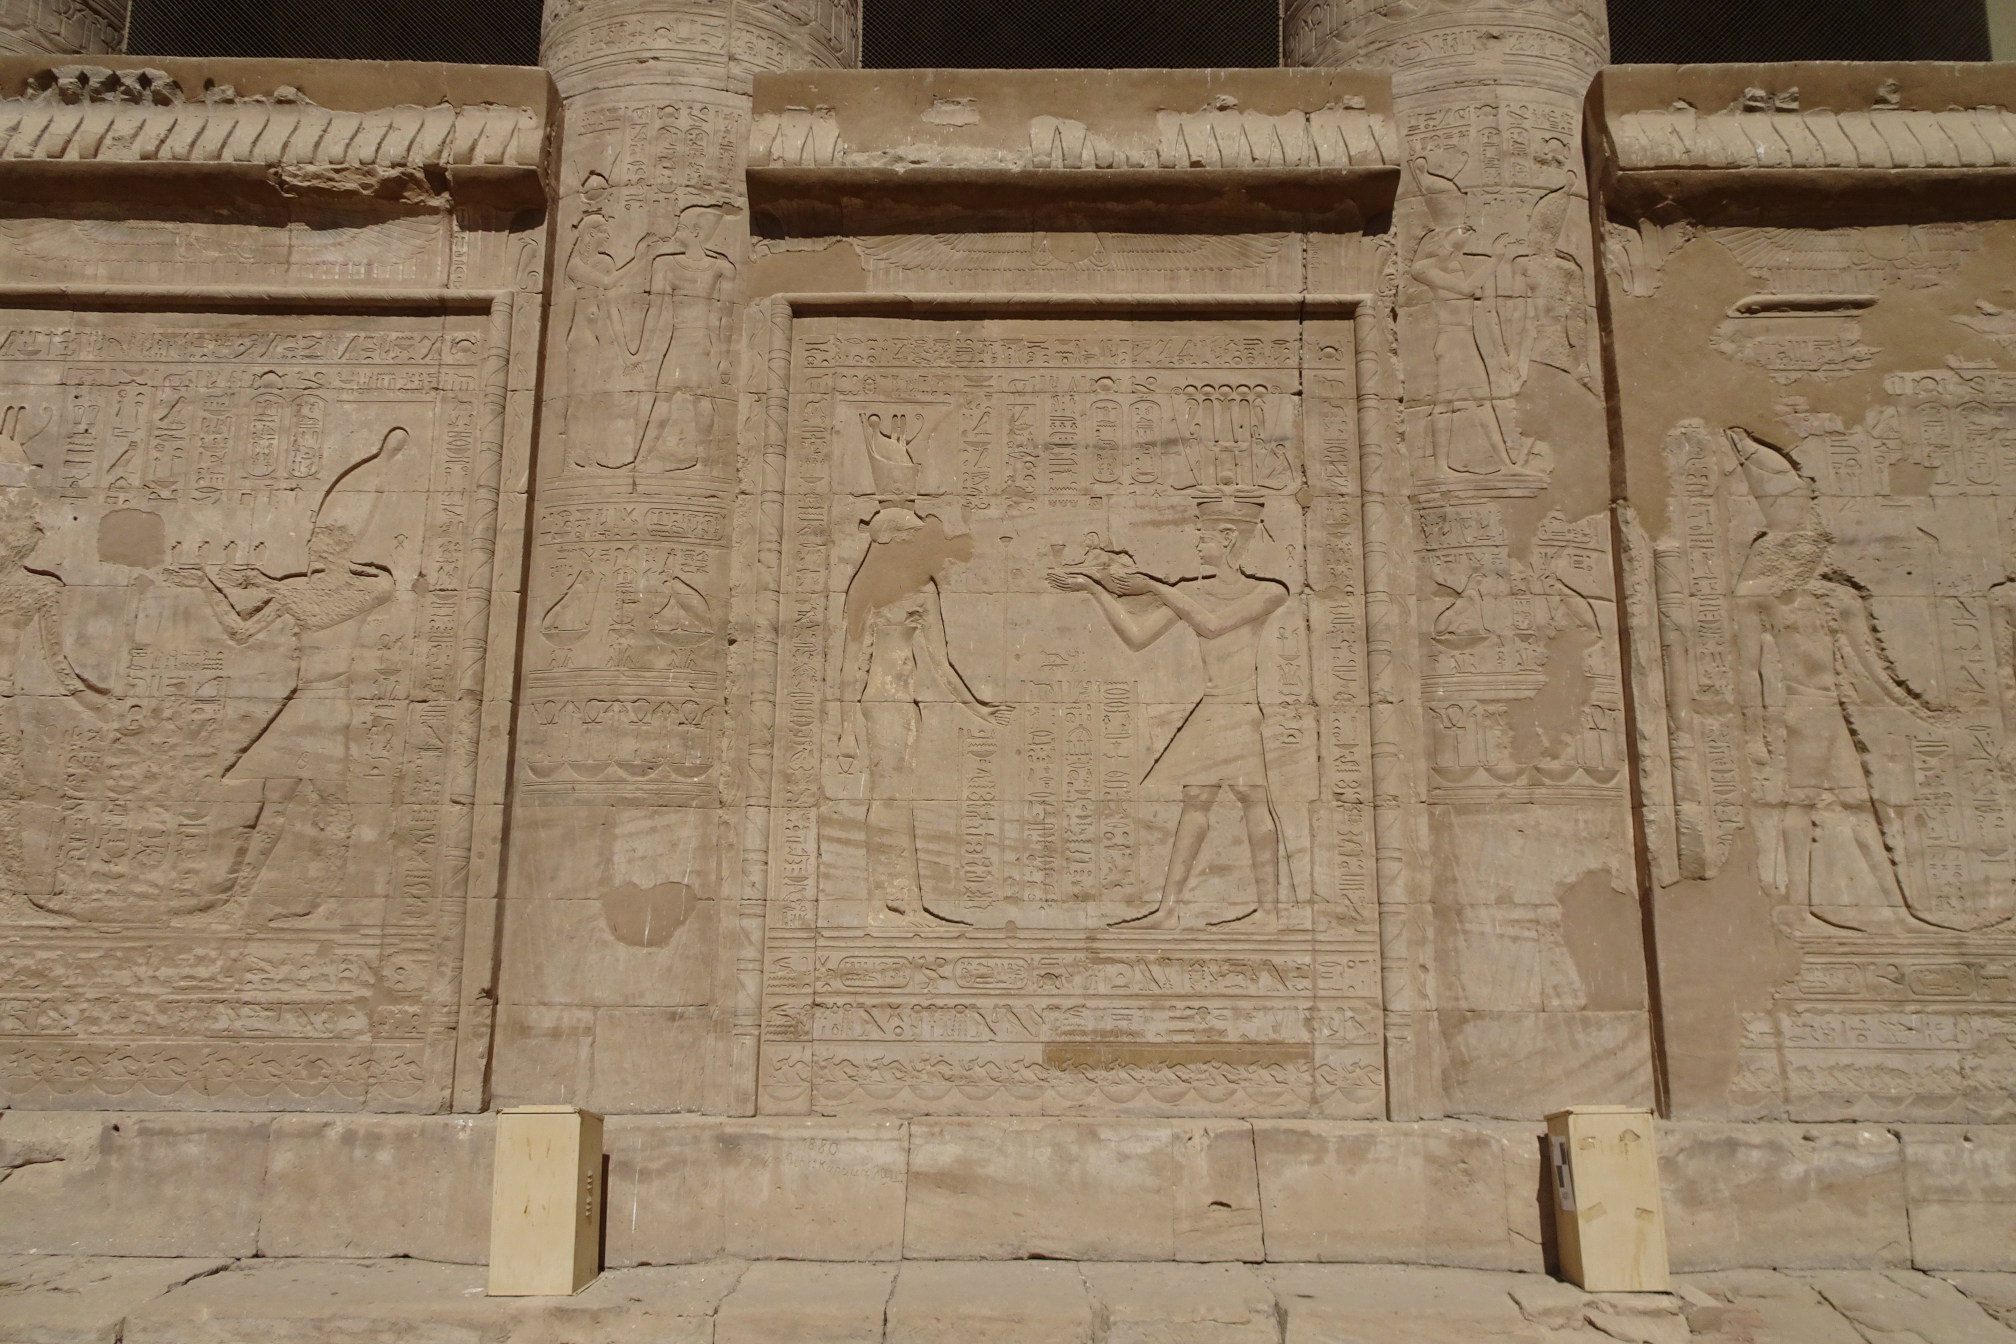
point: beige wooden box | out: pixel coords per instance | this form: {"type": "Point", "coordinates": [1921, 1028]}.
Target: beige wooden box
{"type": "Point", "coordinates": [1607, 1211]}
{"type": "Point", "coordinates": [546, 1203]}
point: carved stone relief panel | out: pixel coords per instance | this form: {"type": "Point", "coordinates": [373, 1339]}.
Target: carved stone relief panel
{"type": "Point", "coordinates": [1070, 806]}
{"type": "Point", "coordinates": [1826, 583]}
{"type": "Point", "coordinates": [625, 663]}
{"type": "Point", "coordinates": [244, 617]}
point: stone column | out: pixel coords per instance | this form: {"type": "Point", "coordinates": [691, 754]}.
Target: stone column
{"type": "Point", "coordinates": [61, 27]}
{"type": "Point", "coordinates": [619, 946]}
{"type": "Point", "coordinates": [1527, 957]}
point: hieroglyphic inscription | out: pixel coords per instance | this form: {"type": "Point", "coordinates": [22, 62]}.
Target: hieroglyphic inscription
{"type": "Point", "coordinates": [239, 701]}
{"type": "Point", "coordinates": [1068, 818]}
{"type": "Point", "coordinates": [1839, 659]}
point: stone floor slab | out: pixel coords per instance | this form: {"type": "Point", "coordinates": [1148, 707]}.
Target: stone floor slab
{"type": "Point", "coordinates": [1761, 1306]}
{"type": "Point", "coordinates": [1993, 1292]}
{"type": "Point", "coordinates": [998, 1302]}
{"type": "Point", "coordinates": [83, 1299]}
{"type": "Point", "coordinates": [784, 1302]}
{"type": "Point", "coordinates": [1181, 1304]}
{"type": "Point", "coordinates": [1396, 1304]}
{"type": "Point", "coordinates": [1901, 1307]}
{"type": "Point", "coordinates": [417, 1302]}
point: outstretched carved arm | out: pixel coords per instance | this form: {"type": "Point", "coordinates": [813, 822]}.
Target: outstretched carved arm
{"type": "Point", "coordinates": [853, 685]}
{"type": "Point", "coordinates": [1211, 622]}
{"type": "Point", "coordinates": [2002, 621]}
{"type": "Point", "coordinates": [1751, 679]}
{"type": "Point", "coordinates": [1136, 631]}
{"type": "Point", "coordinates": [48, 609]}
{"type": "Point", "coordinates": [940, 654]}
{"type": "Point", "coordinates": [241, 627]}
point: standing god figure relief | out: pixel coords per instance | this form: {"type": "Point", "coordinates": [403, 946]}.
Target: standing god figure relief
{"type": "Point", "coordinates": [657, 313]}
{"type": "Point", "coordinates": [1810, 658]}
{"type": "Point", "coordinates": [1219, 745]}
{"type": "Point", "coordinates": [31, 615]}
{"type": "Point", "coordinates": [892, 616]}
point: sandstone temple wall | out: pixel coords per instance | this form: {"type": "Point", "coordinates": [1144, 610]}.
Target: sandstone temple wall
{"type": "Point", "coordinates": [1009, 663]}
{"type": "Point", "coordinates": [267, 367]}
{"type": "Point", "coordinates": [1805, 267]}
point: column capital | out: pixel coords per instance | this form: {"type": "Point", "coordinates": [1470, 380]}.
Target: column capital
{"type": "Point", "coordinates": [1432, 42]}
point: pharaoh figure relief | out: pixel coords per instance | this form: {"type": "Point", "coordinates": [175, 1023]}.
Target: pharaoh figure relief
{"type": "Point", "coordinates": [1046, 582]}
{"type": "Point", "coordinates": [1219, 743]}
{"type": "Point", "coordinates": [1501, 295]}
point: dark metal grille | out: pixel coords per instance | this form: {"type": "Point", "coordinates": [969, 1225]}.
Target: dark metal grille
{"type": "Point", "coordinates": [1084, 34]}
{"type": "Point", "coordinates": [1038, 34]}
{"type": "Point", "coordinates": [1691, 31]}
{"type": "Point", "coordinates": [494, 32]}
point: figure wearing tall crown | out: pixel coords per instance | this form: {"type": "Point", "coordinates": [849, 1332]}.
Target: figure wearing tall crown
{"type": "Point", "coordinates": [1812, 660]}
{"type": "Point", "coordinates": [1220, 744]}
{"type": "Point", "coordinates": [894, 659]}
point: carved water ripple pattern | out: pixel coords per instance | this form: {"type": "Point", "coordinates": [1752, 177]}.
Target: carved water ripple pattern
{"type": "Point", "coordinates": [262, 132]}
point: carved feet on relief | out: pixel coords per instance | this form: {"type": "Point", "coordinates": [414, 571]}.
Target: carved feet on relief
{"type": "Point", "coordinates": [1161, 917]}
{"type": "Point", "coordinates": [1250, 920]}
{"type": "Point", "coordinates": [1825, 920]}
{"type": "Point", "coordinates": [891, 920]}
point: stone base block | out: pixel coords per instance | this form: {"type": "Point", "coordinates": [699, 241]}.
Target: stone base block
{"type": "Point", "coordinates": [688, 1189]}
{"type": "Point", "coordinates": [1960, 1181]}
{"type": "Point", "coordinates": [1771, 1196]}
{"type": "Point", "coordinates": [77, 1300]}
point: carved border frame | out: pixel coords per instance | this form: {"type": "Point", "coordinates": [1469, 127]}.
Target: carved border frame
{"type": "Point", "coordinates": [1386, 619]}
{"type": "Point", "coordinates": [472, 855]}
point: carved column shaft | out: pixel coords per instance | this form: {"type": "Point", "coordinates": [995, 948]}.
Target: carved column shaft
{"type": "Point", "coordinates": [1520, 737]}
{"type": "Point", "coordinates": [61, 27]}
{"type": "Point", "coordinates": [625, 705]}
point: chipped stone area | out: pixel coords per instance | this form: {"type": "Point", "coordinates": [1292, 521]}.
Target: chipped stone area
{"type": "Point", "coordinates": [60, 1299]}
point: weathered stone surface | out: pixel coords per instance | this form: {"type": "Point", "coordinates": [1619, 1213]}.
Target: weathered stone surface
{"type": "Point", "coordinates": [786, 1303]}
{"type": "Point", "coordinates": [61, 26]}
{"type": "Point", "coordinates": [813, 1190]}
{"type": "Point", "coordinates": [251, 727]}
{"type": "Point", "coordinates": [312, 1301]}
{"type": "Point", "coordinates": [61, 1299]}
{"type": "Point", "coordinates": [146, 1185]}
{"type": "Point", "coordinates": [1899, 1304]}
{"type": "Point", "coordinates": [664, 1193]}
{"type": "Point", "coordinates": [1393, 1305]}
{"type": "Point", "coordinates": [1060, 659]}
{"type": "Point", "coordinates": [378, 1186]}
{"type": "Point", "coordinates": [689, 1189]}
{"type": "Point", "coordinates": [1763, 1306]}
{"type": "Point", "coordinates": [322, 1302]}
{"type": "Point", "coordinates": [1783, 1196]}
{"type": "Point", "coordinates": [1181, 1304]}
{"type": "Point", "coordinates": [1424, 1194]}
{"type": "Point", "coordinates": [1993, 1293]}
{"type": "Point", "coordinates": [1019, 1302]}
{"type": "Point", "coordinates": [1080, 1189]}
{"type": "Point", "coordinates": [1961, 1184]}
{"type": "Point", "coordinates": [1824, 698]}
